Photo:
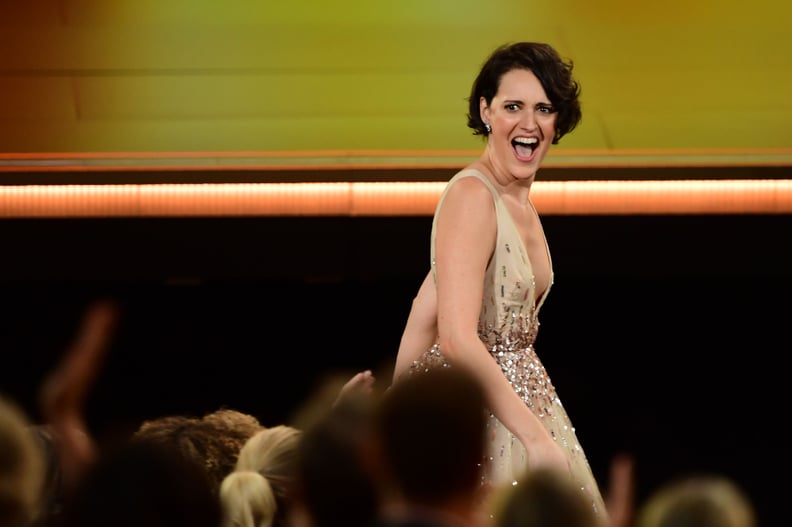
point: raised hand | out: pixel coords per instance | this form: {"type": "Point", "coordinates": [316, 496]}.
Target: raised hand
{"type": "Point", "coordinates": [63, 392]}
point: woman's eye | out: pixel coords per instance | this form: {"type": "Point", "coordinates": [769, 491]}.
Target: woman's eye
{"type": "Point", "coordinates": [546, 109]}
{"type": "Point", "coordinates": [513, 107]}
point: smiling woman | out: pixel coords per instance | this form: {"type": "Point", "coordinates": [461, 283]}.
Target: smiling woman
{"type": "Point", "coordinates": [491, 271]}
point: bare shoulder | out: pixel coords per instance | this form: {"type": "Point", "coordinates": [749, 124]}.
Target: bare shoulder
{"type": "Point", "coordinates": [468, 207]}
{"type": "Point", "coordinates": [469, 192]}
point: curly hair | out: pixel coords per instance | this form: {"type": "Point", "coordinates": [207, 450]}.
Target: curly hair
{"type": "Point", "coordinates": [213, 441]}
{"type": "Point", "coordinates": [553, 72]}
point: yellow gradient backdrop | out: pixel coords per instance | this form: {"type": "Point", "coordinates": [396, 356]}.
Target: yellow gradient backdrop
{"type": "Point", "coordinates": [671, 78]}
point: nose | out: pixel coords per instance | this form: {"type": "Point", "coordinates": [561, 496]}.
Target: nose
{"type": "Point", "coordinates": [528, 121]}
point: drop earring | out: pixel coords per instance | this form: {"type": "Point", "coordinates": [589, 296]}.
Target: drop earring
{"type": "Point", "coordinates": [488, 128]}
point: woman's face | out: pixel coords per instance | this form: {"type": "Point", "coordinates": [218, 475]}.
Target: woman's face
{"type": "Point", "coordinates": [523, 124]}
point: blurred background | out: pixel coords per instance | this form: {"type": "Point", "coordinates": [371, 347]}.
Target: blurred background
{"type": "Point", "coordinates": [192, 75]}
{"type": "Point", "coordinates": [663, 334]}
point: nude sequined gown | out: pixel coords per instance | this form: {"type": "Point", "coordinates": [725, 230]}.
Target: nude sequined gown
{"type": "Point", "coordinates": [508, 325]}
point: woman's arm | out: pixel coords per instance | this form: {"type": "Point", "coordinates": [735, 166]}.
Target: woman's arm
{"type": "Point", "coordinates": [464, 242]}
{"type": "Point", "coordinates": [420, 331]}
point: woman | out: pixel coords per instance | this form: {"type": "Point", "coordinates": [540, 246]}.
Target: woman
{"type": "Point", "coordinates": [491, 269]}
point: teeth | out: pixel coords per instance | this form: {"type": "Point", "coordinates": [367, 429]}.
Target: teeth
{"type": "Point", "coordinates": [526, 140]}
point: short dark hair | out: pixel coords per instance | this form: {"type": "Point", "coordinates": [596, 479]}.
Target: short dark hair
{"type": "Point", "coordinates": [553, 71]}
{"type": "Point", "coordinates": [432, 426]}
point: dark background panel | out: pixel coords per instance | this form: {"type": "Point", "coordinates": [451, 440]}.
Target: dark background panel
{"type": "Point", "coordinates": [665, 336]}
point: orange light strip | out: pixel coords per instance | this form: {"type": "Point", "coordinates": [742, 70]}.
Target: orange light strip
{"type": "Point", "coordinates": [386, 199]}
{"type": "Point", "coordinates": [372, 159]}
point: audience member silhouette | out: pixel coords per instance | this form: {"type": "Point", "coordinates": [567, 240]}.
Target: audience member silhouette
{"type": "Point", "coordinates": [213, 441]}
{"type": "Point", "coordinates": [143, 484]}
{"type": "Point", "coordinates": [63, 439]}
{"type": "Point", "coordinates": [333, 484]}
{"type": "Point", "coordinates": [698, 500]}
{"type": "Point", "coordinates": [543, 498]}
{"type": "Point", "coordinates": [426, 448]}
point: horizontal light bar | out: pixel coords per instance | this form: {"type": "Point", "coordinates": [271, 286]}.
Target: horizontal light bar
{"type": "Point", "coordinates": [391, 159]}
{"type": "Point", "coordinates": [386, 198]}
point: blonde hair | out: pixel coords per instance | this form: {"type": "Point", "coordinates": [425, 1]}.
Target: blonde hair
{"type": "Point", "coordinates": [22, 467]}
{"type": "Point", "coordinates": [700, 501]}
{"type": "Point", "coordinates": [247, 500]}
{"type": "Point", "coordinates": [273, 454]}
{"type": "Point", "coordinates": [261, 483]}
{"type": "Point", "coordinates": [542, 498]}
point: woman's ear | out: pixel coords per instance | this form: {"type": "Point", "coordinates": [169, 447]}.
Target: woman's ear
{"type": "Point", "coordinates": [484, 110]}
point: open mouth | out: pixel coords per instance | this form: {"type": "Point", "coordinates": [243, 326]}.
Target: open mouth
{"type": "Point", "coordinates": [525, 146]}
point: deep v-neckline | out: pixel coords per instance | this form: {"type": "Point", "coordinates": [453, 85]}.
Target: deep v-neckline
{"type": "Point", "coordinates": [537, 301]}
{"type": "Point", "coordinates": [540, 300]}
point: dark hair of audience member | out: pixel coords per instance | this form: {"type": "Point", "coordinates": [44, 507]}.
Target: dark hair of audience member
{"type": "Point", "coordinates": [333, 484]}
{"type": "Point", "coordinates": [141, 483]}
{"type": "Point", "coordinates": [430, 431]}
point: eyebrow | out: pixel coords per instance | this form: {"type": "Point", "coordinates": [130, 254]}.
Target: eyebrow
{"type": "Point", "coordinates": [521, 102]}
